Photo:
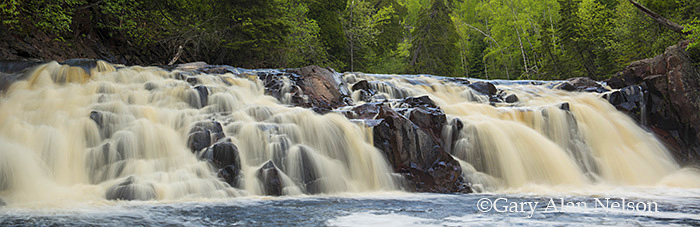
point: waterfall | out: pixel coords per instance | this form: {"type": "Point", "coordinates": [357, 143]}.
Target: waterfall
{"type": "Point", "coordinates": [147, 133]}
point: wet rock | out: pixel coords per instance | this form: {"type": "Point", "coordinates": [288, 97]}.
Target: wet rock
{"type": "Point", "coordinates": [97, 117]}
{"type": "Point", "coordinates": [566, 86]}
{"type": "Point", "coordinates": [485, 88]}
{"type": "Point", "coordinates": [203, 67]}
{"type": "Point", "coordinates": [582, 84]}
{"type": "Point", "coordinates": [12, 71]}
{"type": "Point", "coordinates": [225, 159]}
{"type": "Point", "coordinates": [222, 154]}
{"type": "Point", "coordinates": [192, 80]}
{"type": "Point", "coordinates": [420, 102]}
{"type": "Point", "coordinates": [204, 134]}
{"type": "Point", "coordinates": [231, 174]}
{"type": "Point", "coordinates": [452, 135]}
{"type": "Point", "coordinates": [629, 100]}
{"type": "Point", "coordinates": [323, 87]}
{"type": "Point", "coordinates": [129, 189]}
{"type": "Point", "coordinates": [565, 106]}
{"type": "Point", "coordinates": [203, 94]}
{"type": "Point", "coordinates": [283, 87]}
{"type": "Point", "coordinates": [416, 154]}
{"type": "Point", "coordinates": [458, 80]}
{"type": "Point", "coordinates": [663, 94]}
{"type": "Point", "coordinates": [12, 67]}
{"type": "Point", "coordinates": [512, 98]}
{"type": "Point", "coordinates": [150, 86]}
{"type": "Point", "coordinates": [271, 179]}
{"type": "Point", "coordinates": [366, 92]}
{"type": "Point", "coordinates": [362, 85]}
{"type": "Point", "coordinates": [2, 203]}
{"type": "Point", "coordinates": [84, 63]}
{"type": "Point", "coordinates": [364, 111]}
{"type": "Point", "coordinates": [309, 176]}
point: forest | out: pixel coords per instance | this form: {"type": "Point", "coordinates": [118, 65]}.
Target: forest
{"type": "Point", "coordinates": [509, 39]}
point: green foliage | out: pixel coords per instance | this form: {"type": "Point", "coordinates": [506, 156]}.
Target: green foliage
{"type": "Point", "coordinates": [51, 16]}
{"type": "Point", "coordinates": [434, 45]}
{"type": "Point", "coordinates": [693, 31]}
{"type": "Point", "coordinates": [327, 14]}
{"type": "Point", "coordinates": [303, 43]}
{"type": "Point", "coordinates": [362, 23]}
{"type": "Point", "coordinates": [9, 11]}
{"type": "Point", "coordinates": [534, 39]}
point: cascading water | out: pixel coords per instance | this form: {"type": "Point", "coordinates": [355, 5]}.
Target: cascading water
{"type": "Point", "coordinates": [551, 137]}
{"type": "Point", "coordinates": [71, 134]}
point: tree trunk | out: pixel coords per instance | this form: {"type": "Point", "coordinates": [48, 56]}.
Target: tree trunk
{"type": "Point", "coordinates": [659, 19]}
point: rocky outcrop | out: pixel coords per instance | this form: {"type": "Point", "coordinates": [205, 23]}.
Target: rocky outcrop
{"type": "Point", "coordinates": [225, 159]}
{"type": "Point", "coordinates": [271, 179]}
{"type": "Point", "coordinates": [204, 134]}
{"type": "Point", "coordinates": [130, 189]}
{"type": "Point", "coordinates": [320, 89]}
{"type": "Point", "coordinates": [582, 84]}
{"type": "Point", "coordinates": [323, 87]}
{"type": "Point", "coordinates": [409, 137]}
{"type": "Point", "coordinates": [663, 94]}
{"type": "Point", "coordinates": [11, 71]}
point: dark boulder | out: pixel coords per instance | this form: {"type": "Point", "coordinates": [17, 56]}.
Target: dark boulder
{"type": "Point", "coordinates": [566, 86]}
{"type": "Point", "coordinates": [225, 159]}
{"type": "Point", "coordinates": [83, 63]}
{"type": "Point", "coordinates": [203, 95]}
{"type": "Point", "coordinates": [512, 98]}
{"type": "Point", "coordinates": [202, 67]}
{"type": "Point", "coordinates": [309, 176]}
{"type": "Point", "coordinates": [485, 88]}
{"type": "Point", "coordinates": [271, 179]}
{"type": "Point", "coordinates": [129, 189]}
{"type": "Point", "coordinates": [361, 85]}
{"type": "Point", "coordinates": [2, 203]}
{"type": "Point", "coordinates": [582, 84]}
{"type": "Point", "coordinates": [204, 134]}
{"type": "Point", "coordinates": [231, 174]}
{"type": "Point", "coordinates": [364, 111]}
{"type": "Point", "coordinates": [12, 71]}
{"type": "Point", "coordinates": [366, 91]}
{"type": "Point", "coordinates": [565, 106]}
{"type": "Point", "coordinates": [413, 152]}
{"type": "Point", "coordinates": [97, 117]}
{"type": "Point", "coordinates": [222, 154]}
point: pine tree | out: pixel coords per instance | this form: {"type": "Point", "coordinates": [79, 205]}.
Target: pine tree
{"type": "Point", "coordinates": [434, 45]}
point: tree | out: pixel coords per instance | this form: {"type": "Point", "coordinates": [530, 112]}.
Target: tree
{"type": "Point", "coordinates": [362, 23]}
{"type": "Point", "coordinates": [327, 14]}
{"type": "Point", "coordinates": [434, 45]}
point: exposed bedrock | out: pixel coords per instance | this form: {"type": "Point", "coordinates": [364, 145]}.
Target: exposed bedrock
{"type": "Point", "coordinates": [271, 178]}
{"type": "Point", "coordinates": [320, 89]}
{"type": "Point", "coordinates": [131, 189]}
{"type": "Point", "coordinates": [409, 137]}
{"type": "Point", "coordinates": [663, 94]}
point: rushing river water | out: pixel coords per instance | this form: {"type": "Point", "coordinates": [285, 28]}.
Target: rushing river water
{"type": "Point", "coordinates": [74, 139]}
{"type": "Point", "coordinates": [379, 209]}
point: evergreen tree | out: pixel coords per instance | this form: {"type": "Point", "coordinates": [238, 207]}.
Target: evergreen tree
{"type": "Point", "coordinates": [434, 45]}
{"type": "Point", "coordinates": [327, 14]}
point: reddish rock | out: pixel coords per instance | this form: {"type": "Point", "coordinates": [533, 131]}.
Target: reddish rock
{"type": "Point", "coordinates": [414, 151]}
{"type": "Point", "coordinates": [670, 99]}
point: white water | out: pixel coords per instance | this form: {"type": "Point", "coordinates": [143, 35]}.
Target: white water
{"type": "Point", "coordinates": [51, 152]}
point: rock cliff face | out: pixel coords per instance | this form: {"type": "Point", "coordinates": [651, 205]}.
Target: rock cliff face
{"type": "Point", "coordinates": [663, 94]}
